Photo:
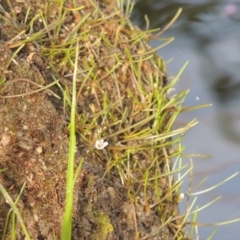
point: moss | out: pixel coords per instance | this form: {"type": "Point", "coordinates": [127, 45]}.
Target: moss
{"type": "Point", "coordinates": [103, 228]}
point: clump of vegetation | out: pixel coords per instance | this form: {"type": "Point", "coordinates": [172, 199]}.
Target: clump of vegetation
{"type": "Point", "coordinates": [83, 95]}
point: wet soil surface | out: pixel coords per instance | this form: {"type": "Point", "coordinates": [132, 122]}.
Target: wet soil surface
{"type": "Point", "coordinates": [34, 142]}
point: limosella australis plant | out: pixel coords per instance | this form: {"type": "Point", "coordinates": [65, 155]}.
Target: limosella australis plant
{"type": "Point", "coordinates": [81, 63]}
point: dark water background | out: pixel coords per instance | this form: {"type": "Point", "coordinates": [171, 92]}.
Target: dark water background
{"type": "Point", "coordinates": [208, 35]}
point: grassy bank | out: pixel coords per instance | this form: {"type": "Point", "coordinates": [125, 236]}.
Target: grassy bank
{"type": "Point", "coordinates": [83, 95]}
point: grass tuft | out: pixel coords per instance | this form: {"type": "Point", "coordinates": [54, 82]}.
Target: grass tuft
{"type": "Point", "coordinates": [111, 88]}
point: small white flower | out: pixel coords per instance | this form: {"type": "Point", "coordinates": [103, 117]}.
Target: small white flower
{"type": "Point", "coordinates": [100, 144]}
{"type": "Point", "coordinates": [181, 197]}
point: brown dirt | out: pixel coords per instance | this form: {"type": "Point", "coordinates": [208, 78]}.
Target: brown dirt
{"type": "Point", "coordinates": [34, 142]}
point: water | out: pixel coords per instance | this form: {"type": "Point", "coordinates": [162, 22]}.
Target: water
{"type": "Point", "coordinates": [208, 35]}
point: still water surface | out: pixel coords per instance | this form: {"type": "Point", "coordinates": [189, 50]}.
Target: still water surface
{"type": "Point", "coordinates": [208, 35]}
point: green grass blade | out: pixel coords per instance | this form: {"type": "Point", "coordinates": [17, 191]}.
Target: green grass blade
{"type": "Point", "coordinates": [15, 210]}
{"type": "Point", "coordinates": [67, 219]}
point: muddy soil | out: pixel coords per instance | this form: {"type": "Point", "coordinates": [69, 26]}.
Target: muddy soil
{"type": "Point", "coordinates": [34, 142]}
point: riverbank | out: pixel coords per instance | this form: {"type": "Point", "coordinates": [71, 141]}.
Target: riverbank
{"type": "Point", "coordinates": [123, 173]}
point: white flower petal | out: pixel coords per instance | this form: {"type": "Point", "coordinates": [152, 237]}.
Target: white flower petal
{"type": "Point", "coordinates": [100, 144]}
{"type": "Point", "coordinates": [105, 144]}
